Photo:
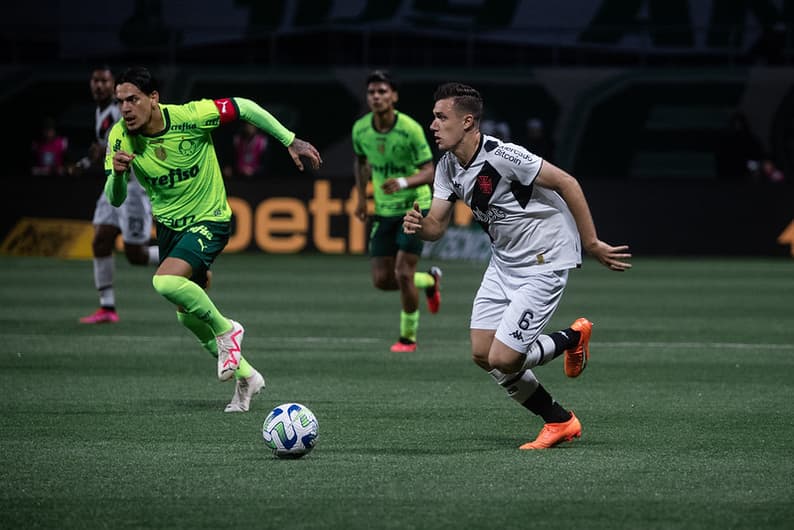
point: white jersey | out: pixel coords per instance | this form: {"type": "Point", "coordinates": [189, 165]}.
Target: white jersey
{"type": "Point", "coordinates": [134, 216]}
{"type": "Point", "coordinates": [531, 227]}
{"type": "Point", "coordinates": [104, 119]}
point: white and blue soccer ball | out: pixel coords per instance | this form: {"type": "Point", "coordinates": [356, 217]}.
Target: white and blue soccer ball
{"type": "Point", "coordinates": [290, 430]}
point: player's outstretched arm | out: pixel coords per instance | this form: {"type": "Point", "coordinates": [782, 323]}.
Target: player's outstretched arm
{"type": "Point", "coordinates": [253, 113]}
{"type": "Point", "coordinates": [299, 148]}
{"type": "Point", "coordinates": [613, 257]}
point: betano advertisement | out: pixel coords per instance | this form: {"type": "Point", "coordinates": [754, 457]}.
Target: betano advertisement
{"type": "Point", "coordinates": [300, 214]}
{"type": "Point", "coordinates": [277, 216]}
{"type": "Point", "coordinates": [282, 223]}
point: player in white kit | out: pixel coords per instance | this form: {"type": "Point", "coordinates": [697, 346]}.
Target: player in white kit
{"type": "Point", "coordinates": [133, 219]}
{"type": "Point", "coordinates": [535, 214]}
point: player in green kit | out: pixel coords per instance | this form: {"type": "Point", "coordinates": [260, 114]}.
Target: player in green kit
{"type": "Point", "coordinates": [391, 149]}
{"type": "Point", "coordinates": [171, 151]}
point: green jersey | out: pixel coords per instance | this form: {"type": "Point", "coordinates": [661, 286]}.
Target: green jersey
{"type": "Point", "coordinates": [396, 153]}
{"type": "Point", "coordinates": [178, 167]}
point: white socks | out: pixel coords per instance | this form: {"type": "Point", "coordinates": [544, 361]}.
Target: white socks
{"type": "Point", "coordinates": [540, 352]}
{"type": "Point", "coordinates": [519, 386]}
{"type": "Point", "coordinates": [154, 255]}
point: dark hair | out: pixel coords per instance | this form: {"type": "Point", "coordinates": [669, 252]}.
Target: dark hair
{"type": "Point", "coordinates": [141, 78]}
{"type": "Point", "coordinates": [464, 98]}
{"type": "Point", "coordinates": [381, 76]}
{"type": "Point", "coordinates": [102, 67]}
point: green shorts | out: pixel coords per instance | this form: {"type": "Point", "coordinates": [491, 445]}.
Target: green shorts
{"type": "Point", "coordinates": [387, 237]}
{"type": "Point", "coordinates": [198, 244]}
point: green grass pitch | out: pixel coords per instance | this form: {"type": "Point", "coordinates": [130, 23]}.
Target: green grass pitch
{"type": "Point", "coordinates": [684, 405]}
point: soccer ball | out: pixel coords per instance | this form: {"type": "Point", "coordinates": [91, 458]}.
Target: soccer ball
{"type": "Point", "coordinates": [290, 430]}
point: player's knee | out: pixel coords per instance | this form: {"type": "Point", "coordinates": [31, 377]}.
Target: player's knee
{"type": "Point", "coordinates": [101, 246]}
{"type": "Point", "coordinates": [136, 254]}
{"type": "Point", "coordinates": [159, 284]}
{"type": "Point", "coordinates": [503, 362]}
{"type": "Point", "coordinates": [480, 359]}
{"type": "Point", "coordinates": [384, 281]}
{"type": "Point", "coordinates": [404, 277]}
{"type": "Point", "coordinates": [166, 285]}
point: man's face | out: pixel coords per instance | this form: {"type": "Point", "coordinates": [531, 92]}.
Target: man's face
{"type": "Point", "coordinates": [101, 84]}
{"type": "Point", "coordinates": [136, 107]}
{"type": "Point", "coordinates": [448, 124]}
{"type": "Point", "coordinates": [380, 96]}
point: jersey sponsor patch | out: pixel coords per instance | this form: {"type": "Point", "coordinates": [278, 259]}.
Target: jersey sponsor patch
{"type": "Point", "coordinates": [226, 109]}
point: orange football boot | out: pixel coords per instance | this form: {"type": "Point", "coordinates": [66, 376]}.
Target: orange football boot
{"type": "Point", "coordinates": [555, 433]}
{"type": "Point", "coordinates": [576, 358]}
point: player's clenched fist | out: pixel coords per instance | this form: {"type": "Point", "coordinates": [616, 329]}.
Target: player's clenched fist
{"type": "Point", "coordinates": [412, 222]}
{"type": "Point", "coordinates": [121, 161]}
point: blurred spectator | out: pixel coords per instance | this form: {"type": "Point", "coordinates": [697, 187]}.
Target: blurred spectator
{"type": "Point", "coordinates": [250, 145]}
{"type": "Point", "coordinates": [766, 171]}
{"type": "Point", "coordinates": [538, 142]}
{"type": "Point", "coordinates": [49, 151]}
{"type": "Point", "coordinates": [739, 152]}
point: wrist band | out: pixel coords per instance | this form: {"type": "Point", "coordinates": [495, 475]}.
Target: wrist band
{"type": "Point", "coordinates": [403, 182]}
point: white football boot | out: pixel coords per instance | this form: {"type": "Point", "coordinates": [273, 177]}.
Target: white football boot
{"type": "Point", "coordinates": [244, 390]}
{"type": "Point", "coordinates": [230, 350]}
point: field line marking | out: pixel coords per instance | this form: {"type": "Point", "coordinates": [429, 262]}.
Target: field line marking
{"type": "Point", "coordinates": [372, 340]}
{"type": "Point", "coordinates": [723, 345]}
{"type": "Point", "coordinates": [30, 336]}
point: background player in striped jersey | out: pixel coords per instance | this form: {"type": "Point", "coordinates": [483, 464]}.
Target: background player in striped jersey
{"type": "Point", "coordinates": [535, 214]}
{"type": "Point", "coordinates": [391, 149]}
{"type": "Point", "coordinates": [171, 150]}
{"type": "Point", "coordinates": [133, 219]}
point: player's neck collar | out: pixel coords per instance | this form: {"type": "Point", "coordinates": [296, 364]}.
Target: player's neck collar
{"type": "Point", "coordinates": [476, 151]}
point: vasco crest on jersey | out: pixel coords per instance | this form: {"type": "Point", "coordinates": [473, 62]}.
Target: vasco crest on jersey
{"type": "Point", "coordinates": [485, 184]}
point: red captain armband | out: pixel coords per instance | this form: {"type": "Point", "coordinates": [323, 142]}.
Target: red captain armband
{"type": "Point", "coordinates": [227, 110]}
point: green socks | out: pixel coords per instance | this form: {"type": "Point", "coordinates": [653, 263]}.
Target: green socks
{"type": "Point", "coordinates": [244, 370]}
{"type": "Point", "coordinates": [200, 315]}
{"type": "Point", "coordinates": [423, 280]}
{"type": "Point", "coordinates": [206, 337]}
{"type": "Point", "coordinates": [200, 329]}
{"type": "Point", "coordinates": [184, 293]}
{"type": "Point", "coordinates": [409, 322]}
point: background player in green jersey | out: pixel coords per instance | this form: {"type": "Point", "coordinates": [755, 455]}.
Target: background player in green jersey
{"type": "Point", "coordinates": [391, 149]}
{"type": "Point", "coordinates": [171, 151]}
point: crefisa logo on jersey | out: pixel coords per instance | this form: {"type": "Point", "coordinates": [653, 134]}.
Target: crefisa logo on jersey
{"type": "Point", "coordinates": [485, 184]}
